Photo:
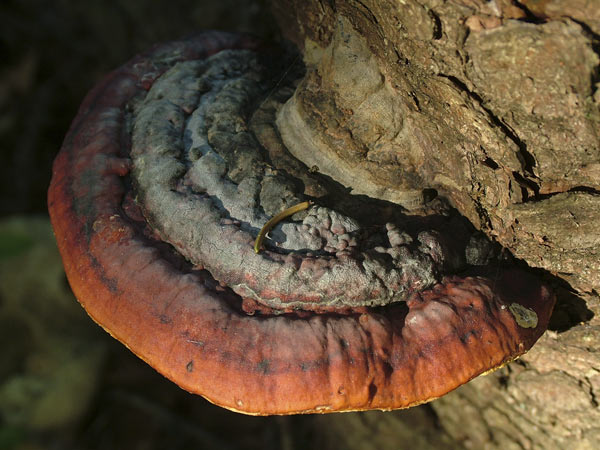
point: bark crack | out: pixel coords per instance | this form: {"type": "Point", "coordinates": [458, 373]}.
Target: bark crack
{"type": "Point", "coordinates": [530, 17]}
{"type": "Point", "coordinates": [590, 389]}
{"type": "Point", "coordinates": [581, 189]}
{"type": "Point", "coordinates": [526, 158]}
{"type": "Point", "coordinates": [368, 12]}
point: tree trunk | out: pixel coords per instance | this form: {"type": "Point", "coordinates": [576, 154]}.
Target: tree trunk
{"type": "Point", "coordinates": [493, 105]}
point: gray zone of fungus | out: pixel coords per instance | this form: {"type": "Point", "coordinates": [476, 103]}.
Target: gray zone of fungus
{"type": "Point", "coordinates": [207, 187]}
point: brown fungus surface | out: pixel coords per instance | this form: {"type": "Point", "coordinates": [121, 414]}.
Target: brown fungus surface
{"type": "Point", "coordinates": [164, 180]}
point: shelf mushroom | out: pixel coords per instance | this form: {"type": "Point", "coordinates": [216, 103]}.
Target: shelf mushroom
{"type": "Point", "coordinates": [164, 180]}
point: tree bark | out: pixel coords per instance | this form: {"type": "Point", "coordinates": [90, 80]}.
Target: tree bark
{"type": "Point", "coordinates": [495, 106]}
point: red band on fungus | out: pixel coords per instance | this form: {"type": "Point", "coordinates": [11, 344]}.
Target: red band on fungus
{"type": "Point", "coordinates": [194, 331]}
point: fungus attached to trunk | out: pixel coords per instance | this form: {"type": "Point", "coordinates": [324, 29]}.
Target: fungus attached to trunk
{"type": "Point", "coordinates": [169, 172]}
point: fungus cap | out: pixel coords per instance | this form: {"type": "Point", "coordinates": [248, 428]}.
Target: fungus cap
{"type": "Point", "coordinates": [192, 329]}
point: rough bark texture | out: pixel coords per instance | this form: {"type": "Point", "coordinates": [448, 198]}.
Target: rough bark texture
{"type": "Point", "coordinates": [494, 105]}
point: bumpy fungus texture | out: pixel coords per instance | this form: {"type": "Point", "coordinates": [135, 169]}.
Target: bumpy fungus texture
{"type": "Point", "coordinates": [207, 186]}
{"type": "Point", "coordinates": [162, 185]}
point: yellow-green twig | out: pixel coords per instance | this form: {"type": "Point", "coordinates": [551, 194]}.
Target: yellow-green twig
{"type": "Point", "coordinates": [275, 220]}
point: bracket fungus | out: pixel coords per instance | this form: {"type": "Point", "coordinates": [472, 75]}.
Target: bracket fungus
{"type": "Point", "coordinates": [170, 169]}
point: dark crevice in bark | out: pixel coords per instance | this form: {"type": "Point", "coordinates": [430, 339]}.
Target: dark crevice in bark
{"type": "Point", "coordinates": [583, 189]}
{"type": "Point", "coordinates": [530, 17]}
{"type": "Point", "coordinates": [595, 44]}
{"type": "Point", "coordinates": [489, 162]}
{"type": "Point", "coordinates": [504, 378]}
{"type": "Point", "coordinates": [367, 12]}
{"type": "Point", "coordinates": [526, 186]}
{"type": "Point", "coordinates": [594, 399]}
{"type": "Point", "coordinates": [484, 218]}
{"type": "Point", "coordinates": [525, 157]}
{"type": "Point", "coordinates": [570, 310]}
{"type": "Point", "coordinates": [437, 25]}
{"type": "Point", "coordinates": [330, 4]}
{"type": "Point", "coordinates": [401, 59]}
{"type": "Point", "coordinates": [588, 189]}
